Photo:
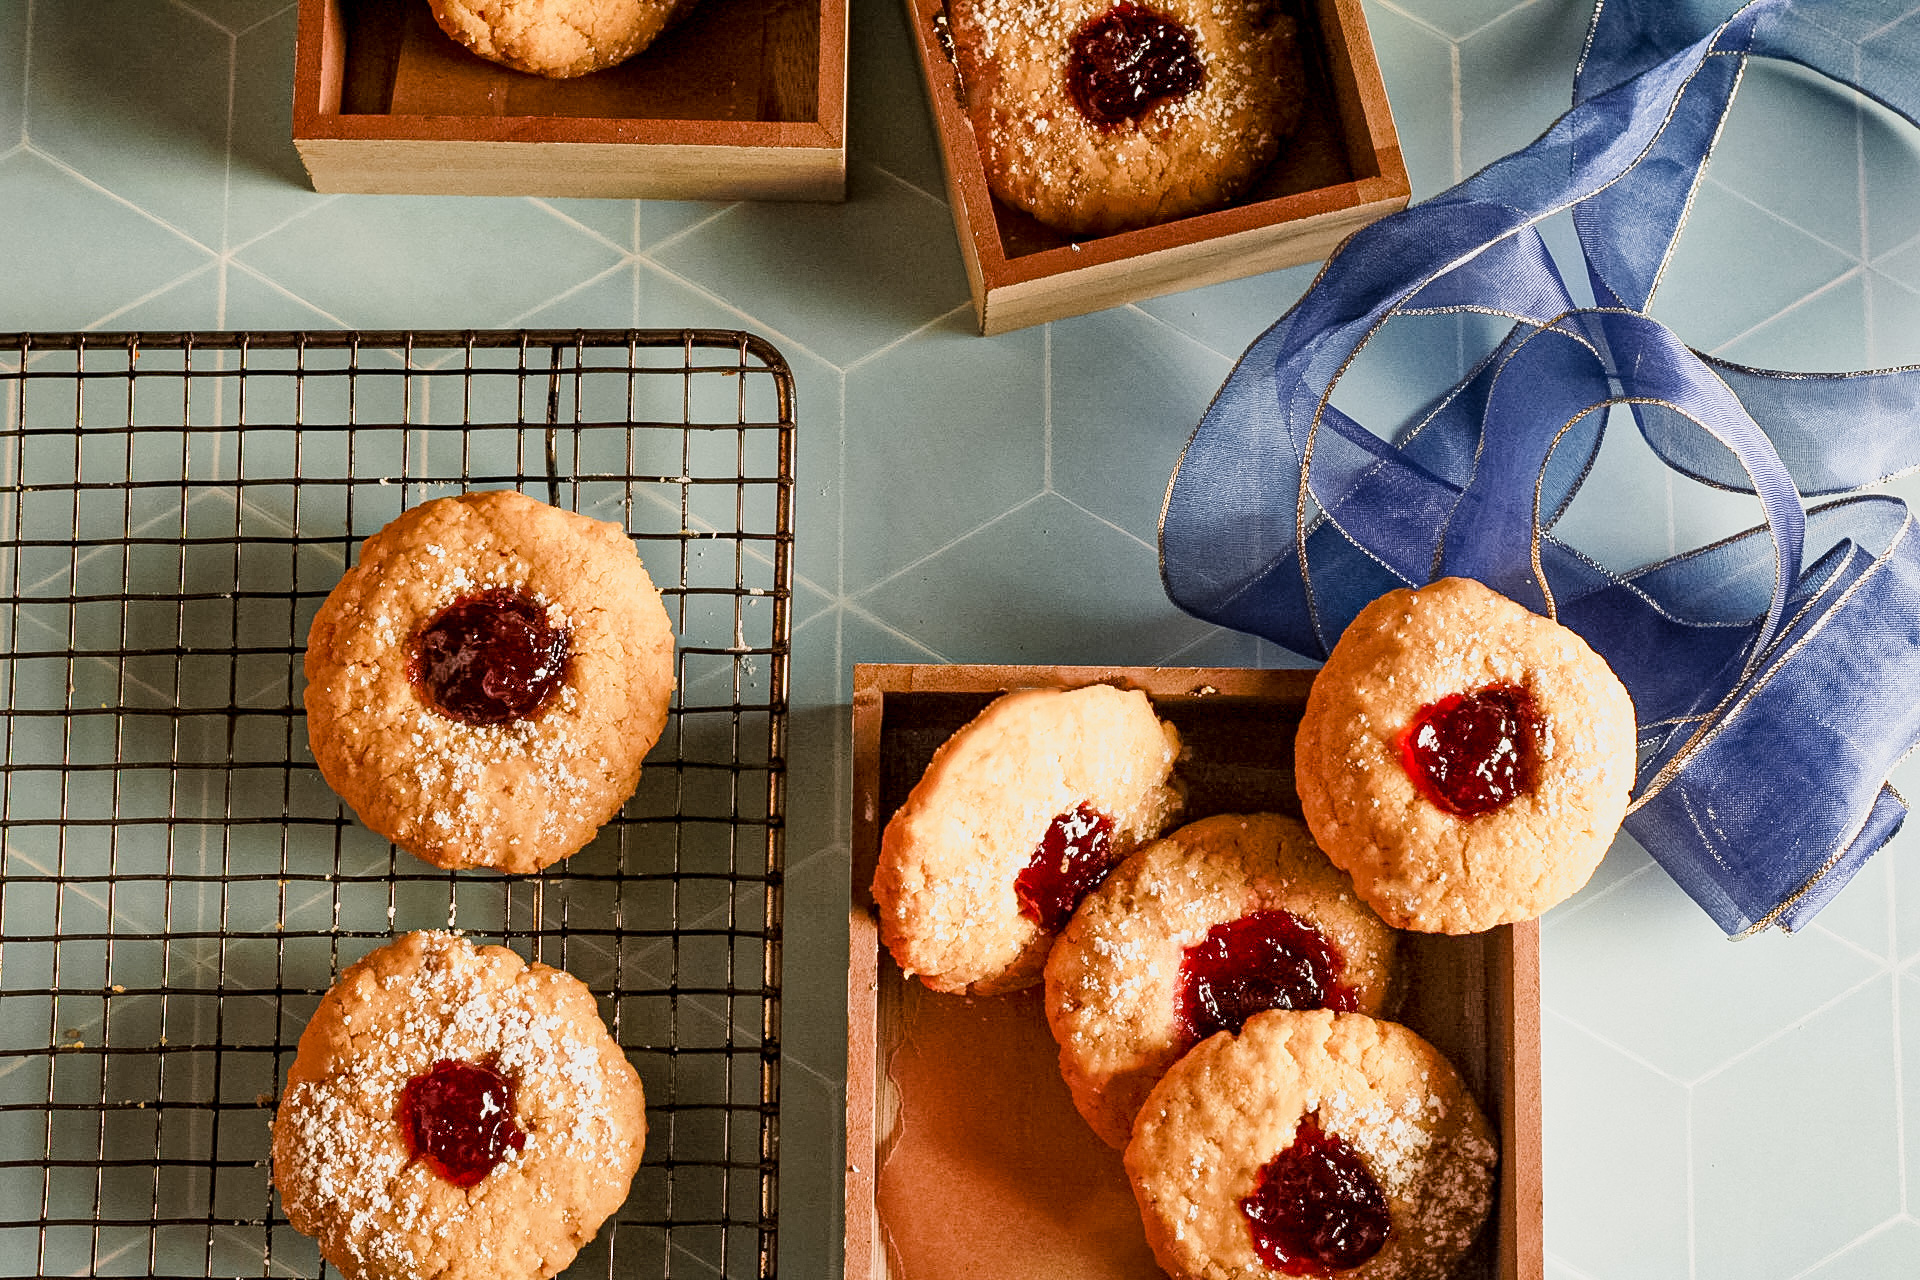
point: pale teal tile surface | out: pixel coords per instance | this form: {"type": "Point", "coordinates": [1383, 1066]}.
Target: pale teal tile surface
{"type": "Point", "coordinates": [889, 122]}
{"type": "Point", "coordinates": [1589, 1084]}
{"type": "Point", "coordinates": [937, 407]}
{"type": "Point", "coordinates": [1754, 1107]}
{"type": "Point", "coordinates": [1123, 375]}
{"type": "Point", "coordinates": [399, 262]}
{"type": "Point", "coordinates": [1737, 264]}
{"type": "Point", "coordinates": [1793, 144]}
{"type": "Point", "coordinates": [1891, 1250]}
{"type": "Point", "coordinates": [1779, 1196]}
{"type": "Point", "coordinates": [1093, 598]}
{"type": "Point", "coordinates": [1893, 321]}
{"type": "Point", "coordinates": [81, 253]}
{"type": "Point", "coordinates": [1610, 970]}
{"type": "Point", "coordinates": [1227, 317]}
{"type": "Point", "coordinates": [880, 265]}
{"type": "Point", "coordinates": [1823, 332]}
{"type": "Point", "coordinates": [1420, 67]}
{"type": "Point", "coordinates": [1907, 1063]}
{"type": "Point", "coordinates": [1513, 82]}
{"type": "Point", "coordinates": [136, 96]}
{"type": "Point", "coordinates": [266, 184]}
{"type": "Point", "coordinates": [13, 75]}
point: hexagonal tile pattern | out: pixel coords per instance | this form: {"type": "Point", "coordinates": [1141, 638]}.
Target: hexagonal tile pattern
{"type": "Point", "coordinates": [1639, 1171]}
{"type": "Point", "coordinates": [1777, 1197]}
{"type": "Point", "coordinates": [1777, 149]}
{"type": "Point", "coordinates": [1679, 996]}
{"type": "Point", "coordinates": [80, 252]}
{"type": "Point", "coordinates": [1156, 398]}
{"type": "Point", "coordinates": [884, 263]}
{"type": "Point", "coordinates": [954, 401]}
{"type": "Point", "coordinates": [405, 249]}
{"type": "Point", "coordinates": [1421, 67]}
{"type": "Point", "coordinates": [1892, 1250]}
{"type": "Point", "coordinates": [1052, 584]}
{"type": "Point", "coordinates": [1512, 86]}
{"type": "Point", "coordinates": [1753, 265]}
{"type": "Point", "coordinates": [1751, 1110]}
{"type": "Point", "coordinates": [146, 118]}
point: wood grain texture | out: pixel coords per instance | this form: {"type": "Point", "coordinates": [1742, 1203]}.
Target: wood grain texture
{"type": "Point", "coordinates": [741, 99]}
{"type": "Point", "coordinates": [1342, 170]}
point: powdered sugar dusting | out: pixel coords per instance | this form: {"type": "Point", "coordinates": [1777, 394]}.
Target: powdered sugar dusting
{"type": "Point", "coordinates": [340, 1154]}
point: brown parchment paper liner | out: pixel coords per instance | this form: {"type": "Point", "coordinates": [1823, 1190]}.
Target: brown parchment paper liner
{"type": "Point", "coordinates": [992, 1172]}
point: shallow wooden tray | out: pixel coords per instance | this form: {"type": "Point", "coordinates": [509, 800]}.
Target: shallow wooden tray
{"type": "Point", "coordinates": [965, 1157]}
{"type": "Point", "coordinates": [1342, 171]}
{"type": "Point", "coordinates": [742, 99]}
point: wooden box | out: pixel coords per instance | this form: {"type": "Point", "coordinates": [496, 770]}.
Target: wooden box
{"type": "Point", "coordinates": [1341, 171]}
{"type": "Point", "coordinates": [965, 1156]}
{"type": "Point", "coordinates": [741, 99]}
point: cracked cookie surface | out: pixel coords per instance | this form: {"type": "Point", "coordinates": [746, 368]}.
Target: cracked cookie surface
{"type": "Point", "coordinates": [1115, 976]}
{"type": "Point", "coordinates": [1237, 1102]}
{"type": "Point", "coordinates": [518, 795]}
{"type": "Point", "coordinates": [342, 1163]}
{"type": "Point", "coordinates": [1416, 863]}
{"type": "Point", "coordinates": [556, 38]}
{"type": "Point", "coordinates": [1183, 153]}
{"type": "Point", "coordinates": [951, 858]}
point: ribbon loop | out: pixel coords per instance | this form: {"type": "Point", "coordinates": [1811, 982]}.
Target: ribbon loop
{"type": "Point", "coordinates": [1774, 691]}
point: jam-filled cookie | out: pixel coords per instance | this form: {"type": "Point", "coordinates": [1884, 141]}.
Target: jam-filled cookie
{"type": "Point", "coordinates": [1096, 116]}
{"type": "Point", "coordinates": [1217, 921]}
{"type": "Point", "coordinates": [455, 1112]}
{"type": "Point", "coordinates": [1018, 815]}
{"type": "Point", "coordinates": [1467, 761]}
{"type": "Point", "coordinates": [1312, 1143]}
{"type": "Point", "coordinates": [483, 685]}
{"type": "Point", "coordinates": [556, 38]}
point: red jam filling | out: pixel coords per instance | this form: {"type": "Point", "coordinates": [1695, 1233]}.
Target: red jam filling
{"type": "Point", "coordinates": [1315, 1208]}
{"type": "Point", "coordinates": [1263, 960]}
{"type": "Point", "coordinates": [458, 1117]}
{"type": "Point", "coordinates": [1471, 753]}
{"type": "Point", "coordinates": [491, 658]}
{"type": "Point", "coordinates": [1121, 64]}
{"type": "Point", "coordinates": [1071, 860]}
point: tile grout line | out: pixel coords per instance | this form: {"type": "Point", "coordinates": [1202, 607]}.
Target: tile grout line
{"type": "Point", "coordinates": [1046, 408]}
{"type": "Point", "coordinates": [1693, 1230]}
{"type": "Point", "coordinates": [1631, 1055]}
{"type": "Point", "coordinates": [1899, 1039]}
{"type": "Point", "coordinates": [226, 182]}
{"type": "Point", "coordinates": [1798, 1024]}
{"type": "Point", "coordinates": [1806, 299]}
{"type": "Point", "coordinates": [1459, 110]}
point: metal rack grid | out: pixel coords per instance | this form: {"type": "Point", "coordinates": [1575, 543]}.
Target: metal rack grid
{"type": "Point", "coordinates": [178, 886]}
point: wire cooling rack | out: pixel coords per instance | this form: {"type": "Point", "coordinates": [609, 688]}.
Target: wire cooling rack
{"type": "Point", "coordinates": [179, 884]}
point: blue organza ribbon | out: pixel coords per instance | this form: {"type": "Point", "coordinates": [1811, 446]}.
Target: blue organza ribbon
{"type": "Point", "coordinates": [1776, 685]}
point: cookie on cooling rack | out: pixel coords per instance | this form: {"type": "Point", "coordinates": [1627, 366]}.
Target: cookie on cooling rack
{"type": "Point", "coordinates": [1466, 760]}
{"type": "Point", "coordinates": [556, 38]}
{"type": "Point", "coordinates": [454, 1111]}
{"type": "Point", "coordinates": [1312, 1143]}
{"type": "Point", "coordinates": [483, 685]}
{"type": "Point", "coordinates": [1018, 815]}
{"type": "Point", "coordinates": [1194, 934]}
{"type": "Point", "coordinates": [1097, 116]}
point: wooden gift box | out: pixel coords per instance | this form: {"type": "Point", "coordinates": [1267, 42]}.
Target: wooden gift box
{"type": "Point", "coordinates": [741, 99]}
{"type": "Point", "coordinates": [965, 1156]}
{"type": "Point", "coordinates": [1341, 171]}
